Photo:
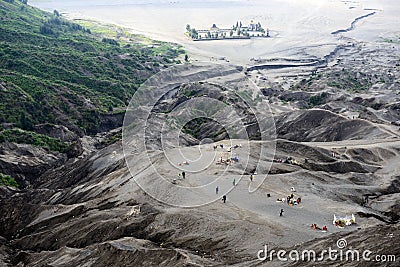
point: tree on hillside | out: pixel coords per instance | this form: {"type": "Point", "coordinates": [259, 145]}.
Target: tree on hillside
{"type": "Point", "coordinates": [188, 29]}
{"type": "Point", "coordinates": [110, 41]}
{"type": "Point", "coordinates": [56, 13]}
{"type": "Point", "coordinates": [45, 29]}
{"type": "Point", "coordinates": [24, 122]}
{"type": "Point", "coordinates": [194, 34]}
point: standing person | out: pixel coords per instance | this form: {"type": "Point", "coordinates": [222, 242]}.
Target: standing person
{"type": "Point", "coordinates": [216, 190]}
{"type": "Point", "coordinates": [224, 199]}
{"type": "Point", "coordinates": [234, 182]}
{"type": "Point", "coordinates": [251, 178]}
{"type": "Point", "coordinates": [281, 213]}
{"type": "Point", "coordinates": [183, 175]}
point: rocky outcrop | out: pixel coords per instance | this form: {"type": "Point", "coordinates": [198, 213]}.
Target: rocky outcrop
{"type": "Point", "coordinates": [26, 162]}
{"type": "Point", "coordinates": [56, 131]}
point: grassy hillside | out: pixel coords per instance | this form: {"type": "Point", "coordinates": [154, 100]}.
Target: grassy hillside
{"type": "Point", "coordinates": [56, 71]}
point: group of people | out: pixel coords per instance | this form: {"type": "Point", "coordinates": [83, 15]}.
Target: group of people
{"type": "Point", "coordinates": [181, 175]}
{"type": "Point", "coordinates": [228, 161]}
{"type": "Point", "coordinates": [221, 146]}
{"type": "Point", "coordinates": [288, 160]}
{"type": "Point", "coordinates": [316, 227]}
{"type": "Point", "coordinates": [233, 147]}
{"type": "Point", "coordinates": [215, 147]}
{"type": "Point", "coordinates": [290, 200]}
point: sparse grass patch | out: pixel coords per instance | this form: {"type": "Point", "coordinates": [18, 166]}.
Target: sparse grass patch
{"type": "Point", "coordinates": [26, 137]}
{"type": "Point", "coordinates": [7, 180]}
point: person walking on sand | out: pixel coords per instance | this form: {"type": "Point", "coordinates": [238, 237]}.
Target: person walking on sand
{"type": "Point", "coordinates": [281, 213]}
{"type": "Point", "coordinates": [216, 190]}
{"type": "Point", "coordinates": [224, 199]}
{"type": "Point", "coordinates": [234, 182]}
{"type": "Point", "coordinates": [183, 175]}
{"type": "Point", "coordinates": [251, 178]}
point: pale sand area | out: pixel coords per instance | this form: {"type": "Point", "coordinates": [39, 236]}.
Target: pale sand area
{"type": "Point", "coordinates": [300, 29]}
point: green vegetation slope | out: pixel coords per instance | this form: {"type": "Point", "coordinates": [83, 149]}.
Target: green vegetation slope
{"type": "Point", "coordinates": [56, 71]}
